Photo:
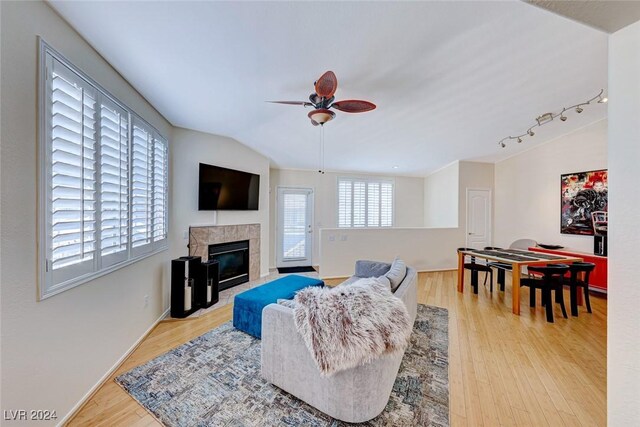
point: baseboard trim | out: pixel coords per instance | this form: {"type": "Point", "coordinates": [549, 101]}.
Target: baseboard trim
{"type": "Point", "coordinates": [419, 271]}
{"type": "Point", "coordinates": [83, 401]}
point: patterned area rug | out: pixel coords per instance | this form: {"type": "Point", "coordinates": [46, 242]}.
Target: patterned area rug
{"type": "Point", "coordinates": [214, 380]}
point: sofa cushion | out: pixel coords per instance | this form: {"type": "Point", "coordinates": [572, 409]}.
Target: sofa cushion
{"type": "Point", "coordinates": [371, 268]}
{"type": "Point", "coordinates": [396, 273]}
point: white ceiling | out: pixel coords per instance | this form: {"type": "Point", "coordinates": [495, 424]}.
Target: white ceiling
{"type": "Point", "coordinates": [606, 15]}
{"type": "Point", "coordinates": [450, 78]}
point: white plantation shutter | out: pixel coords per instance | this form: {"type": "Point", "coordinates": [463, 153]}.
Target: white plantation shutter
{"type": "Point", "coordinates": [149, 201]}
{"type": "Point", "coordinates": [159, 201]}
{"type": "Point", "coordinates": [373, 204]}
{"type": "Point", "coordinates": [71, 105]}
{"type": "Point", "coordinates": [359, 204]}
{"type": "Point", "coordinates": [104, 183]}
{"type": "Point", "coordinates": [365, 203]}
{"type": "Point", "coordinates": [344, 203]}
{"type": "Point", "coordinates": [114, 183]}
{"type": "Point", "coordinates": [386, 204]}
{"type": "Point", "coordinates": [141, 186]}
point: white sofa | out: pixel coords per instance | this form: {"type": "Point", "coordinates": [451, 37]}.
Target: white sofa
{"type": "Point", "coordinates": [353, 395]}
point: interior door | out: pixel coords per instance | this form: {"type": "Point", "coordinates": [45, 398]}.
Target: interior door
{"type": "Point", "coordinates": [478, 218]}
{"type": "Point", "coordinates": [295, 227]}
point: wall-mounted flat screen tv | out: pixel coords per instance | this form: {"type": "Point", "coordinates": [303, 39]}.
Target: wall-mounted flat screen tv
{"type": "Point", "coordinates": [223, 189]}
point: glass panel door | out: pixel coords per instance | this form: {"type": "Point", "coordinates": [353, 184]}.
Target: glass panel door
{"type": "Point", "coordinates": [295, 227]}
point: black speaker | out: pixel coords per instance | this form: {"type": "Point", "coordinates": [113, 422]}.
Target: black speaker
{"type": "Point", "coordinates": [185, 273]}
{"type": "Point", "coordinates": [207, 285]}
{"type": "Point", "coordinates": [600, 245]}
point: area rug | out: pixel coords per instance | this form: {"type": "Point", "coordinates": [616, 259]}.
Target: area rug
{"type": "Point", "coordinates": [214, 380]}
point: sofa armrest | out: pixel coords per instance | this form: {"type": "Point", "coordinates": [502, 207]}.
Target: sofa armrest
{"type": "Point", "coordinates": [354, 395]}
{"type": "Point", "coordinates": [366, 268]}
{"type": "Point", "coordinates": [283, 349]}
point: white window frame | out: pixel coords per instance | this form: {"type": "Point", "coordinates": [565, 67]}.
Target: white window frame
{"type": "Point", "coordinates": [367, 181]}
{"type": "Point", "coordinates": [76, 277]}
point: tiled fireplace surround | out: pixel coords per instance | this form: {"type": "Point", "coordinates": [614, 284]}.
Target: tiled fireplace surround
{"type": "Point", "coordinates": [200, 237]}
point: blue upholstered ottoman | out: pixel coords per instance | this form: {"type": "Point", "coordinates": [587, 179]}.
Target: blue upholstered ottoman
{"type": "Point", "coordinates": [247, 306]}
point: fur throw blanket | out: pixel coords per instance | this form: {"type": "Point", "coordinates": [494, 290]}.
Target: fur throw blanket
{"type": "Point", "coordinates": [350, 325]}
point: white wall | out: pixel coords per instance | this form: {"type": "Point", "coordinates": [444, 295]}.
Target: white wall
{"type": "Point", "coordinates": [190, 148]}
{"type": "Point", "coordinates": [527, 200]}
{"type": "Point", "coordinates": [424, 248]}
{"type": "Point", "coordinates": [623, 350]}
{"type": "Point", "coordinates": [421, 248]}
{"type": "Point", "coordinates": [55, 350]}
{"type": "Point", "coordinates": [441, 197]}
{"type": "Point", "coordinates": [408, 212]}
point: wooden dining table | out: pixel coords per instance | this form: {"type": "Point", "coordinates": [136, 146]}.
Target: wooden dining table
{"type": "Point", "coordinates": [517, 258]}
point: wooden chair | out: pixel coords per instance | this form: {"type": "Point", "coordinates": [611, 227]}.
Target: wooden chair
{"type": "Point", "coordinates": [552, 280]}
{"type": "Point", "coordinates": [474, 267]}
{"type": "Point", "coordinates": [577, 269]}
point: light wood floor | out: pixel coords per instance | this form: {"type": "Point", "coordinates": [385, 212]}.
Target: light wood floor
{"type": "Point", "coordinates": [503, 369]}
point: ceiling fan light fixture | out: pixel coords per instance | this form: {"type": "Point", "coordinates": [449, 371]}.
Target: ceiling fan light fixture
{"type": "Point", "coordinates": [321, 115]}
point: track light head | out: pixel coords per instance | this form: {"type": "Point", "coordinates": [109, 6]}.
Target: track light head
{"type": "Point", "coordinates": [603, 100]}
{"type": "Point", "coordinates": [519, 140]}
{"type": "Point", "coordinates": [530, 132]}
{"type": "Point", "coordinates": [563, 117]}
{"type": "Point", "coordinates": [502, 144]}
{"type": "Point", "coordinates": [579, 109]}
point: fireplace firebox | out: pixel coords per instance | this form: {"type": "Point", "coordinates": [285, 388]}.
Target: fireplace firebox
{"type": "Point", "coordinates": [233, 261]}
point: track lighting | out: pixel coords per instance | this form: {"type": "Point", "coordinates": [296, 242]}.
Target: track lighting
{"type": "Point", "coordinates": [545, 118]}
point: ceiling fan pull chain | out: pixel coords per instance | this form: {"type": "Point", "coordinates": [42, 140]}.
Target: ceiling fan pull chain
{"type": "Point", "coordinates": [321, 157]}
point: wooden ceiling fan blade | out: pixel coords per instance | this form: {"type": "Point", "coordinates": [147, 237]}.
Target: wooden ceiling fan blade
{"type": "Point", "coordinates": [303, 103]}
{"type": "Point", "coordinates": [327, 84]}
{"type": "Point", "coordinates": [353, 106]}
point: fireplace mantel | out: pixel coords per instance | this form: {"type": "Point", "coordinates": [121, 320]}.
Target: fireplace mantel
{"type": "Point", "coordinates": [200, 237]}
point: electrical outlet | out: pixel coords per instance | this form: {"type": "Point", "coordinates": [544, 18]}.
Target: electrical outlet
{"type": "Point", "coordinates": [146, 301]}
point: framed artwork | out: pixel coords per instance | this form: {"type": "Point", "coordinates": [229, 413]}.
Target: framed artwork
{"type": "Point", "coordinates": [584, 203]}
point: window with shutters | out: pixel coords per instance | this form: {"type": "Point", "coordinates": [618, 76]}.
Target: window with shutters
{"type": "Point", "coordinates": [103, 183]}
{"type": "Point", "coordinates": [365, 203]}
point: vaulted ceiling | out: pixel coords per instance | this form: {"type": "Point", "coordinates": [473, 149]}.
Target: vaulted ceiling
{"type": "Point", "coordinates": [450, 78]}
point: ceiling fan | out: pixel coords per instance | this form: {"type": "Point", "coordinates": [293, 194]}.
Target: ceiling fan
{"type": "Point", "coordinates": [322, 100]}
